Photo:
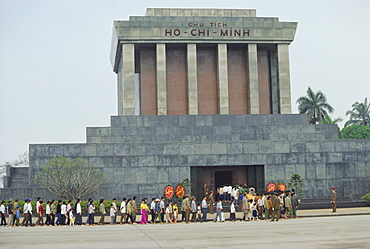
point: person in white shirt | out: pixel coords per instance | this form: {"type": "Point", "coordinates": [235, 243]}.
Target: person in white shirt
{"type": "Point", "coordinates": [63, 212]}
{"type": "Point", "coordinates": [29, 210]}
{"type": "Point", "coordinates": [116, 210]}
{"type": "Point", "coordinates": [152, 209]}
{"type": "Point", "coordinates": [3, 213]}
{"type": "Point", "coordinates": [260, 206]}
{"type": "Point", "coordinates": [112, 214]}
{"type": "Point", "coordinates": [25, 212]}
{"type": "Point", "coordinates": [232, 211]}
{"type": "Point", "coordinates": [47, 213]}
{"type": "Point", "coordinates": [78, 213]}
{"type": "Point", "coordinates": [204, 207]}
{"type": "Point", "coordinates": [38, 204]}
{"type": "Point", "coordinates": [123, 211]}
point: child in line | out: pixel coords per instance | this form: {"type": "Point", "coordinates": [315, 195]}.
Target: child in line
{"type": "Point", "coordinates": [254, 211]}
{"type": "Point", "coordinates": [199, 212]}
{"type": "Point", "coordinates": [71, 218]}
{"type": "Point", "coordinates": [175, 212]}
{"type": "Point", "coordinates": [250, 210]}
{"type": "Point", "coordinates": [167, 212]}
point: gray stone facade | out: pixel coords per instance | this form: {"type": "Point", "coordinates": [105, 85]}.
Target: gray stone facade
{"type": "Point", "coordinates": [143, 154]}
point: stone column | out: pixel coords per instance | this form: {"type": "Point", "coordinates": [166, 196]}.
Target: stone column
{"type": "Point", "coordinates": [126, 81]}
{"type": "Point", "coordinates": [222, 77]}
{"type": "Point", "coordinates": [161, 79]}
{"type": "Point", "coordinates": [274, 82]}
{"type": "Point", "coordinates": [253, 79]}
{"type": "Point", "coordinates": [284, 78]}
{"type": "Point", "coordinates": [192, 79]}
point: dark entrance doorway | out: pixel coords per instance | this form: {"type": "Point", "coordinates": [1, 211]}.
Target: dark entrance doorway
{"type": "Point", "coordinates": [223, 178]}
{"type": "Point", "coordinates": [215, 176]}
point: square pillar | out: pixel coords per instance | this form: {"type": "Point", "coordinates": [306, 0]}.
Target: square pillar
{"type": "Point", "coordinates": [253, 79]}
{"type": "Point", "coordinates": [192, 79]}
{"type": "Point", "coordinates": [274, 82]}
{"type": "Point", "coordinates": [161, 79]}
{"type": "Point", "coordinates": [222, 78]}
{"type": "Point", "coordinates": [284, 78]}
{"type": "Point", "coordinates": [126, 81]}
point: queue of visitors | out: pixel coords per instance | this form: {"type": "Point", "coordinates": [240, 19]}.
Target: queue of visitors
{"type": "Point", "coordinates": [254, 206]}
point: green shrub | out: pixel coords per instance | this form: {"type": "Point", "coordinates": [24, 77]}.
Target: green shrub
{"type": "Point", "coordinates": [366, 198]}
{"type": "Point", "coordinates": [355, 132]}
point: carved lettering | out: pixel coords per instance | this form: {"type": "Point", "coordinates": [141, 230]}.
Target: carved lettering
{"type": "Point", "coordinates": [176, 32]}
{"type": "Point", "coordinates": [168, 32]}
{"type": "Point", "coordinates": [193, 32]}
{"type": "Point", "coordinates": [223, 33]}
{"type": "Point", "coordinates": [245, 32]}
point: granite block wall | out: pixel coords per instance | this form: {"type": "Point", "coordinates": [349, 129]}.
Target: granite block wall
{"type": "Point", "coordinates": [143, 154]}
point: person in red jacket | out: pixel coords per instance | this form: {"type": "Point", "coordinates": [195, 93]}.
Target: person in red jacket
{"type": "Point", "coordinates": [40, 212]}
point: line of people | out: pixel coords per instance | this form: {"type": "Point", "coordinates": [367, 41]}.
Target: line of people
{"type": "Point", "coordinates": [267, 206]}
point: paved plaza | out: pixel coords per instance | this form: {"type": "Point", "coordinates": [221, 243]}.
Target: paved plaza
{"type": "Point", "coordinates": [348, 231]}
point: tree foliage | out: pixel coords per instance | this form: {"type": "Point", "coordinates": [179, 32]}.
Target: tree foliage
{"type": "Point", "coordinates": [70, 178]}
{"type": "Point", "coordinates": [360, 114]}
{"type": "Point", "coordinates": [328, 120]}
{"type": "Point", "coordinates": [355, 132]}
{"type": "Point", "coordinates": [297, 184]}
{"type": "Point", "coordinates": [314, 105]}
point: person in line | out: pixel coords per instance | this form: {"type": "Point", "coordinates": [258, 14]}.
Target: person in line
{"type": "Point", "coordinates": [17, 215]}
{"type": "Point", "coordinates": [134, 210]}
{"type": "Point", "coordinates": [129, 211]}
{"type": "Point", "coordinates": [29, 211]}
{"type": "Point", "coordinates": [2, 213]}
{"type": "Point", "coordinates": [59, 214]}
{"type": "Point", "coordinates": [53, 211]}
{"type": "Point", "coordinates": [167, 214]}
{"type": "Point", "coordinates": [112, 214]}
{"type": "Point", "coordinates": [295, 204]}
{"type": "Point", "coordinates": [163, 208]}
{"type": "Point", "coordinates": [152, 209]}
{"type": "Point", "coordinates": [193, 209]}
{"type": "Point", "coordinates": [78, 212]}
{"type": "Point", "coordinates": [175, 210]}
{"type": "Point", "coordinates": [47, 213]}
{"type": "Point", "coordinates": [144, 209]}
{"type": "Point", "coordinates": [102, 212]}
{"type": "Point", "coordinates": [40, 212]}
{"type": "Point", "coordinates": [123, 211]}
{"type": "Point", "coordinates": [288, 206]}
{"type": "Point", "coordinates": [204, 209]}
{"type": "Point", "coordinates": [232, 211]}
{"type": "Point", "coordinates": [276, 208]}
{"type": "Point", "coordinates": [218, 211]}
{"type": "Point", "coordinates": [11, 213]}
{"type": "Point", "coordinates": [63, 213]}
{"type": "Point", "coordinates": [90, 212]}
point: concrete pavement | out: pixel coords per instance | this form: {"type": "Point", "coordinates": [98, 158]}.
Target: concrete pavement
{"type": "Point", "coordinates": [311, 232]}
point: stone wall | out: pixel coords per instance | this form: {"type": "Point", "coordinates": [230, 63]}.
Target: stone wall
{"type": "Point", "coordinates": [143, 154]}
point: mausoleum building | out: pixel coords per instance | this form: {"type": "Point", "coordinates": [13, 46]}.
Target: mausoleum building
{"type": "Point", "coordinates": [205, 94]}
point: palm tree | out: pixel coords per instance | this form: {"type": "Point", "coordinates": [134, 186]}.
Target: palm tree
{"type": "Point", "coordinates": [360, 114]}
{"type": "Point", "coordinates": [314, 105]}
{"type": "Point", "coordinates": [328, 120]}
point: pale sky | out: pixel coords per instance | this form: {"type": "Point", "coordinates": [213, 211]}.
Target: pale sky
{"type": "Point", "coordinates": [56, 78]}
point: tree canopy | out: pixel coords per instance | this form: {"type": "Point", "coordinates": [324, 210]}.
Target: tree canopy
{"type": "Point", "coordinates": [360, 114]}
{"type": "Point", "coordinates": [70, 178]}
{"type": "Point", "coordinates": [314, 105]}
{"type": "Point", "coordinates": [355, 132]}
